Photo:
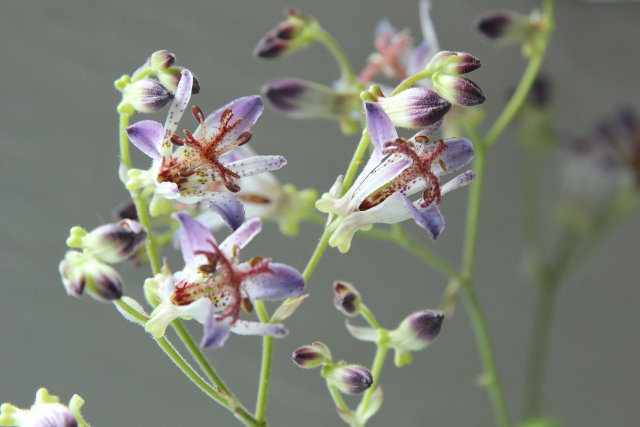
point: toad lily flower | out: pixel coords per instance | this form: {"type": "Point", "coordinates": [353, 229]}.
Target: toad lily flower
{"type": "Point", "coordinates": [396, 170]}
{"type": "Point", "coordinates": [183, 174]}
{"type": "Point", "coordinates": [214, 285]}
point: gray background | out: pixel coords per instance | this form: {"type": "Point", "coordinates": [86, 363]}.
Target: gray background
{"type": "Point", "coordinates": [58, 168]}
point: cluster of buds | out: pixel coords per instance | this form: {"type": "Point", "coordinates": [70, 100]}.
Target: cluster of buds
{"type": "Point", "coordinates": [509, 27]}
{"type": "Point", "coordinates": [296, 32]}
{"type": "Point", "coordinates": [446, 68]}
{"type": "Point", "coordinates": [152, 86]}
{"type": "Point", "coordinates": [348, 378]}
{"type": "Point", "coordinates": [46, 411]}
{"type": "Point", "coordinates": [89, 270]}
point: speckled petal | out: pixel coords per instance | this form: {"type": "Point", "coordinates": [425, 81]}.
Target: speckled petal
{"type": "Point", "coordinates": [215, 332]}
{"type": "Point", "coordinates": [380, 128]}
{"type": "Point", "coordinates": [459, 153]}
{"type": "Point", "coordinates": [147, 136]}
{"type": "Point", "coordinates": [465, 178]}
{"type": "Point", "coordinates": [242, 236]}
{"type": "Point", "coordinates": [247, 109]}
{"type": "Point", "coordinates": [244, 327]}
{"type": "Point", "coordinates": [227, 206]}
{"type": "Point", "coordinates": [179, 104]}
{"type": "Point", "coordinates": [429, 218]}
{"type": "Point", "coordinates": [193, 237]}
{"type": "Point", "coordinates": [254, 165]}
{"type": "Point", "coordinates": [284, 282]}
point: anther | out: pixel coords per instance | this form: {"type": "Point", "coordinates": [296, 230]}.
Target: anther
{"type": "Point", "coordinates": [247, 305]}
{"type": "Point", "coordinates": [442, 164]}
{"type": "Point", "coordinates": [421, 139]}
{"type": "Point", "coordinates": [197, 114]}
{"type": "Point", "coordinates": [185, 171]}
{"type": "Point", "coordinates": [255, 261]}
{"type": "Point", "coordinates": [244, 138]}
{"type": "Point", "coordinates": [176, 140]}
{"type": "Point", "coordinates": [231, 186]}
{"type": "Point", "coordinates": [226, 116]}
{"type": "Point", "coordinates": [254, 198]}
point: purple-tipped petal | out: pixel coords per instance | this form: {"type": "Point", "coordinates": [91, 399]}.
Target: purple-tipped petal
{"type": "Point", "coordinates": [379, 126]}
{"type": "Point", "coordinates": [244, 327]}
{"type": "Point", "coordinates": [284, 282]}
{"type": "Point", "coordinates": [254, 165]}
{"type": "Point", "coordinates": [215, 333]}
{"type": "Point", "coordinates": [459, 153]}
{"type": "Point", "coordinates": [247, 109]}
{"type": "Point", "coordinates": [227, 206]}
{"type": "Point", "coordinates": [303, 99]}
{"type": "Point", "coordinates": [429, 218]}
{"type": "Point", "coordinates": [147, 137]}
{"type": "Point", "coordinates": [179, 104]}
{"type": "Point", "coordinates": [193, 237]}
{"type": "Point", "coordinates": [242, 236]}
{"type": "Point", "coordinates": [465, 178]}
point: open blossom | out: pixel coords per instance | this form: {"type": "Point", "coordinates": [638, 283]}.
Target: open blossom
{"type": "Point", "coordinates": [263, 196]}
{"type": "Point", "coordinates": [396, 170]}
{"type": "Point", "coordinates": [396, 57]}
{"type": "Point", "coordinates": [214, 285]}
{"type": "Point", "coordinates": [185, 173]}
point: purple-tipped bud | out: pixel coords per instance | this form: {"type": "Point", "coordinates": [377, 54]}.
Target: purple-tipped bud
{"type": "Point", "coordinates": [346, 298]}
{"type": "Point", "coordinates": [147, 95]}
{"type": "Point", "coordinates": [115, 242]}
{"type": "Point", "coordinates": [171, 77]}
{"type": "Point", "coordinates": [312, 356]}
{"type": "Point", "coordinates": [453, 62]}
{"type": "Point", "coordinates": [126, 210]}
{"type": "Point", "coordinates": [458, 90]}
{"type": "Point", "coordinates": [415, 108]}
{"type": "Point", "coordinates": [506, 26]}
{"type": "Point", "coordinates": [297, 32]}
{"type": "Point", "coordinates": [302, 99]}
{"type": "Point", "coordinates": [49, 415]}
{"type": "Point", "coordinates": [81, 272]}
{"type": "Point", "coordinates": [417, 330]}
{"type": "Point", "coordinates": [161, 60]}
{"type": "Point", "coordinates": [350, 379]}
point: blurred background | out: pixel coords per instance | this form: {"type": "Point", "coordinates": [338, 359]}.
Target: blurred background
{"type": "Point", "coordinates": [58, 136]}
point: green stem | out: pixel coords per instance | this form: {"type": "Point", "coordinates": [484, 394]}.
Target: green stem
{"type": "Point", "coordinates": [361, 149]}
{"type": "Point", "coordinates": [473, 212]}
{"type": "Point", "coordinates": [265, 369]}
{"type": "Point", "coordinates": [369, 317]}
{"type": "Point", "coordinates": [332, 45]}
{"type": "Point", "coordinates": [376, 369]}
{"type": "Point", "coordinates": [409, 81]}
{"type": "Point", "coordinates": [337, 398]}
{"type": "Point", "coordinates": [531, 204]}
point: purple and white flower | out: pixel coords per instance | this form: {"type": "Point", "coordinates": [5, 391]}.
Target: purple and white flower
{"type": "Point", "coordinates": [184, 173]}
{"type": "Point", "coordinates": [397, 169]}
{"type": "Point", "coordinates": [214, 285]}
{"type": "Point", "coordinates": [46, 411]}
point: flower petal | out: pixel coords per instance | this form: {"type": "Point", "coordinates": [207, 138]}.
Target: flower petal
{"type": "Point", "coordinates": [379, 126]}
{"type": "Point", "coordinates": [246, 109]}
{"type": "Point", "coordinates": [465, 178]}
{"type": "Point", "coordinates": [254, 165]}
{"type": "Point", "coordinates": [244, 327]}
{"type": "Point", "coordinates": [459, 153]}
{"type": "Point", "coordinates": [179, 104]}
{"type": "Point", "coordinates": [302, 99]}
{"type": "Point", "coordinates": [429, 218]}
{"type": "Point", "coordinates": [362, 333]}
{"type": "Point", "coordinates": [284, 282]}
{"type": "Point", "coordinates": [193, 237]}
{"type": "Point", "coordinates": [147, 136]}
{"type": "Point", "coordinates": [215, 333]}
{"type": "Point", "coordinates": [243, 235]}
{"type": "Point", "coordinates": [227, 206]}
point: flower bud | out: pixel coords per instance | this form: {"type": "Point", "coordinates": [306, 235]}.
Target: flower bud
{"type": "Point", "coordinates": [346, 298]}
{"type": "Point", "coordinates": [417, 330]}
{"type": "Point", "coordinates": [415, 107]}
{"type": "Point", "coordinates": [297, 32]}
{"type": "Point", "coordinates": [46, 411]}
{"type": "Point", "coordinates": [161, 60]}
{"type": "Point", "coordinates": [171, 77]}
{"type": "Point", "coordinates": [115, 242]}
{"type": "Point", "coordinates": [453, 63]}
{"type": "Point", "coordinates": [458, 90]}
{"type": "Point", "coordinates": [506, 27]}
{"type": "Point", "coordinates": [147, 95]}
{"type": "Point", "coordinates": [82, 272]}
{"type": "Point", "coordinates": [350, 379]}
{"type": "Point", "coordinates": [126, 210]}
{"type": "Point", "coordinates": [312, 356]}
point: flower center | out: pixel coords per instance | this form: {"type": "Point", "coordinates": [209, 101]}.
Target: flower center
{"type": "Point", "coordinates": [421, 167]}
{"type": "Point", "coordinates": [206, 152]}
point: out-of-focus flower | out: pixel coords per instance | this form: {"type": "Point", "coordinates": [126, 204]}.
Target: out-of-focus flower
{"type": "Point", "coordinates": [296, 32]}
{"type": "Point", "coordinates": [601, 173]}
{"type": "Point", "coordinates": [535, 118]}
{"type": "Point", "coordinates": [263, 196]}
{"type": "Point", "coordinates": [111, 243]}
{"type": "Point", "coordinates": [349, 379]}
{"type": "Point", "coordinates": [396, 170]}
{"type": "Point", "coordinates": [414, 333]}
{"type": "Point", "coordinates": [396, 57]}
{"type": "Point", "coordinates": [185, 173]}
{"type": "Point", "coordinates": [46, 411]}
{"type": "Point", "coordinates": [301, 99]}
{"type": "Point", "coordinates": [82, 272]}
{"type": "Point", "coordinates": [312, 356]}
{"type": "Point", "coordinates": [510, 27]}
{"type": "Point", "coordinates": [214, 285]}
